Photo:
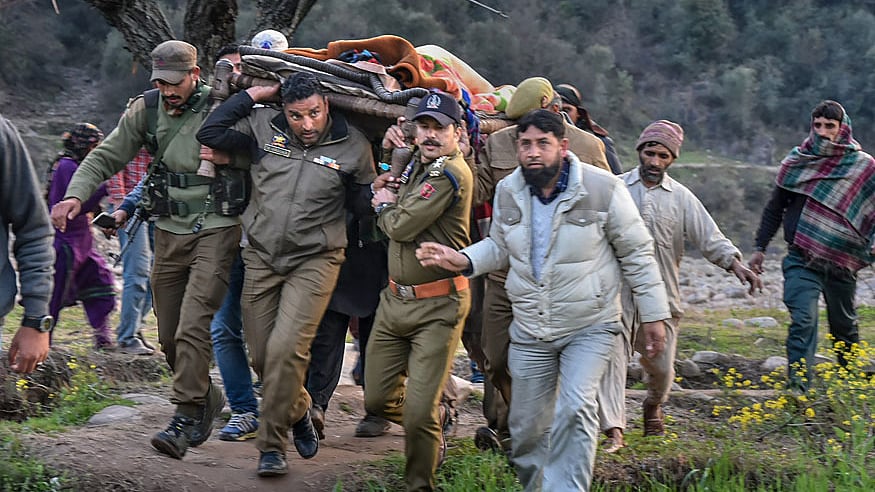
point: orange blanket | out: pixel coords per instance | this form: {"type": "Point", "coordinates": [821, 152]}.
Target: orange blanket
{"type": "Point", "coordinates": [396, 53]}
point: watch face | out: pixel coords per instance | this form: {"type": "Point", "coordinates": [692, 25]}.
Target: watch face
{"type": "Point", "coordinates": [46, 324]}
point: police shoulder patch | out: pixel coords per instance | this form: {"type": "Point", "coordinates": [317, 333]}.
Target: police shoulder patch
{"type": "Point", "coordinates": [427, 191]}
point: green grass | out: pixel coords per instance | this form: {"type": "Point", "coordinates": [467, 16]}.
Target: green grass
{"type": "Point", "coordinates": [21, 473]}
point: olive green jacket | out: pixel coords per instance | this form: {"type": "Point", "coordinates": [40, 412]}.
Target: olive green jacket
{"type": "Point", "coordinates": [180, 156]}
{"type": "Point", "coordinates": [299, 194]}
{"type": "Point", "coordinates": [433, 205]}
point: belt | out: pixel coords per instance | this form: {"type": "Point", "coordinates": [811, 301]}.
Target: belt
{"type": "Point", "coordinates": [442, 287]}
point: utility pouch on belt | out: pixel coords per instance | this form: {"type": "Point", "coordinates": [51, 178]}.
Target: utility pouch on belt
{"type": "Point", "coordinates": [231, 191]}
{"type": "Point", "coordinates": [156, 199]}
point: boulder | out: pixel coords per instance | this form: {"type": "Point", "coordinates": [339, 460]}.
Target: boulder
{"type": "Point", "coordinates": [774, 362]}
{"type": "Point", "coordinates": [687, 368]}
{"type": "Point", "coordinates": [113, 413]}
{"type": "Point", "coordinates": [762, 322]}
{"type": "Point", "coordinates": [710, 357]}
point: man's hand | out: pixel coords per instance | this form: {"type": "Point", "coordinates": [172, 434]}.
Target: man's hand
{"type": "Point", "coordinates": [218, 157]}
{"type": "Point", "coordinates": [394, 137]}
{"type": "Point", "coordinates": [29, 347]}
{"type": "Point", "coordinates": [65, 210]}
{"type": "Point", "coordinates": [756, 261]}
{"type": "Point", "coordinates": [746, 275]}
{"type": "Point", "coordinates": [386, 180]}
{"type": "Point", "coordinates": [436, 254]}
{"type": "Point", "coordinates": [654, 337]}
{"type": "Point", "coordinates": [383, 195]}
{"type": "Point", "coordinates": [260, 93]}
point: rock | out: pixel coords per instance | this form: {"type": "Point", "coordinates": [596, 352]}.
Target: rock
{"type": "Point", "coordinates": [710, 357]}
{"type": "Point", "coordinates": [762, 322]}
{"type": "Point", "coordinates": [820, 359]}
{"type": "Point", "coordinates": [735, 292]}
{"type": "Point", "coordinates": [732, 322]}
{"type": "Point", "coordinates": [698, 298]}
{"type": "Point", "coordinates": [774, 362]}
{"type": "Point", "coordinates": [687, 368]}
{"type": "Point", "coordinates": [144, 399]}
{"type": "Point", "coordinates": [634, 371]}
{"type": "Point", "coordinates": [113, 413]}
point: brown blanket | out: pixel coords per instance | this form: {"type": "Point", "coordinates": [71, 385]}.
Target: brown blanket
{"type": "Point", "coordinates": [397, 54]}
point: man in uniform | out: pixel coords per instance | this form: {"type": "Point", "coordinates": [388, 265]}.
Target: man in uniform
{"type": "Point", "coordinates": [497, 160]}
{"type": "Point", "coordinates": [309, 166]}
{"type": "Point", "coordinates": [194, 246]}
{"type": "Point", "coordinates": [421, 314]}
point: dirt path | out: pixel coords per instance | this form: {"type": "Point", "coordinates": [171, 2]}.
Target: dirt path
{"type": "Point", "coordinates": [118, 456]}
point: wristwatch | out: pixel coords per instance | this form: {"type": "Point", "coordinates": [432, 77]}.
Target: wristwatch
{"type": "Point", "coordinates": [42, 324]}
{"type": "Point", "coordinates": [379, 208]}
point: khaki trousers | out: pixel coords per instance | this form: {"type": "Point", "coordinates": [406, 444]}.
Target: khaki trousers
{"type": "Point", "coordinates": [497, 315]}
{"type": "Point", "coordinates": [414, 339]}
{"type": "Point", "coordinates": [280, 316]}
{"type": "Point", "coordinates": [189, 282]}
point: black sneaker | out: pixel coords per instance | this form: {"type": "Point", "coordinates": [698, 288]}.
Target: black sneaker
{"type": "Point", "coordinates": [304, 437]}
{"type": "Point", "coordinates": [272, 464]}
{"type": "Point", "coordinates": [175, 439]}
{"type": "Point", "coordinates": [215, 401]}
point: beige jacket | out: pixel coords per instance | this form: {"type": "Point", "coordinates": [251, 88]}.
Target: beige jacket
{"type": "Point", "coordinates": [673, 215]}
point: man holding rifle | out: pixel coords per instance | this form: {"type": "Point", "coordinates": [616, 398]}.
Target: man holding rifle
{"type": "Point", "coordinates": [194, 245]}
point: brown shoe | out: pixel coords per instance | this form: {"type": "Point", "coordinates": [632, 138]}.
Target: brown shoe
{"type": "Point", "coordinates": [653, 420]}
{"type": "Point", "coordinates": [614, 442]}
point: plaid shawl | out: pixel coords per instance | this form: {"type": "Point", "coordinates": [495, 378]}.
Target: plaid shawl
{"type": "Point", "coordinates": [838, 220]}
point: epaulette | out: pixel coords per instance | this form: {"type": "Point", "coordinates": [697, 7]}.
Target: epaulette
{"type": "Point", "coordinates": [436, 168]}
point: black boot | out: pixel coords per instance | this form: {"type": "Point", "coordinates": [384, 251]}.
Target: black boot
{"type": "Point", "coordinates": [305, 438]}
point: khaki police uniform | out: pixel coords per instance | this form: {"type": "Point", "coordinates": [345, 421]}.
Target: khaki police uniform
{"type": "Point", "coordinates": [191, 269]}
{"type": "Point", "coordinates": [296, 227]}
{"type": "Point", "coordinates": [421, 314]}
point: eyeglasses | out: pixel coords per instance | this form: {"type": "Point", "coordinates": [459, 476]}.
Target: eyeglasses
{"type": "Point", "coordinates": [826, 126]}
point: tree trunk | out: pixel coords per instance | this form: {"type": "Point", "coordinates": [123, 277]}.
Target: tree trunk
{"type": "Point", "coordinates": [209, 24]}
{"type": "Point", "coordinates": [282, 15]}
{"type": "Point", "coordinates": [140, 22]}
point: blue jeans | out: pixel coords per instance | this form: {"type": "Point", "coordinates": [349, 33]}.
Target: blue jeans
{"type": "Point", "coordinates": [803, 285]}
{"type": "Point", "coordinates": [136, 289]}
{"type": "Point", "coordinates": [553, 419]}
{"type": "Point", "coordinates": [226, 331]}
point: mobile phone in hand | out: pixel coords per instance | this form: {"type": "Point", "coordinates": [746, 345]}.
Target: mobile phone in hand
{"type": "Point", "coordinates": [105, 221]}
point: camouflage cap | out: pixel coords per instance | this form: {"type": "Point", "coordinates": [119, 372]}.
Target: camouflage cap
{"type": "Point", "coordinates": [172, 60]}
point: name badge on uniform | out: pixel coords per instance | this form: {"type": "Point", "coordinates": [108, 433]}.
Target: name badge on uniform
{"type": "Point", "coordinates": [277, 146]}
{"type": "Point", "coordinates": [327, 162]}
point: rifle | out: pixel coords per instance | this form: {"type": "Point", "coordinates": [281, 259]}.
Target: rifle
{"type": "Point", "coordinates": [131, 228]}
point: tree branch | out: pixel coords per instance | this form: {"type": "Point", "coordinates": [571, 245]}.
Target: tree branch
{"type": "Point", "coordinates": [282, 15]}
{"type": "Point", "coordinates": [209, 25]}
{"type": "Point", "coordinates": [140, 22]}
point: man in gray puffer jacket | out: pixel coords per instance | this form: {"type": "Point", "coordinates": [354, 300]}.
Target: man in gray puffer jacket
{"type": "Point", "coordinates": [571, 236]}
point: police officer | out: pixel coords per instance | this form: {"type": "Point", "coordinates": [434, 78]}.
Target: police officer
{"type": "Point", "coordinates": [309, 164]}
{"type": "Point", "coordinates": [194, 245]}
{"type": "Point", "coordinates": [422, 312]}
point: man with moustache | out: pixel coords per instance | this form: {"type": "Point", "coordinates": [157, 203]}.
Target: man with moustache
{"type": "Point", "coordinates": [673, 215]}
{"type": "Point", "coordinates": [194, 243]}
{"type": "Point", "coordinates": [309, 167]}
{"type": "Point", "coordinates": [570, 236]}
{"type": "Point", "coordinates": [421, 314]}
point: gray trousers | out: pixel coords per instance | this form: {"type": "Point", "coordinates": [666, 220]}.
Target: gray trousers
{"type": "Point", "coordinates": [554, 415]}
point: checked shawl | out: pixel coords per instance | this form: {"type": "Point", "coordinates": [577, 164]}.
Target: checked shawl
{"type": "Point", "coordinates": [838, 220]}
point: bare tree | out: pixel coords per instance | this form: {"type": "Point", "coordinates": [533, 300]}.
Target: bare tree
{"type": "Point", "coordinates": [208, 24]}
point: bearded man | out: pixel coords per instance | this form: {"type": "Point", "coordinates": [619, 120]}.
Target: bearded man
{"type": "Point", "coordinates": [570, 235]}
{"type": "Point", "coordinates": [673, 216]}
